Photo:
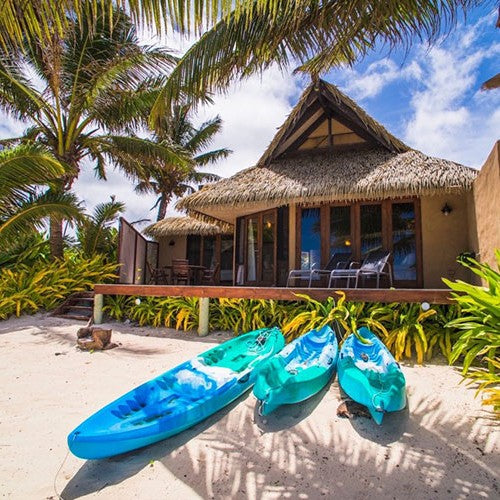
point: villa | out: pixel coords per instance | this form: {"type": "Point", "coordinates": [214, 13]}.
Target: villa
{"type": "Point", "coordinates": [335, 181]}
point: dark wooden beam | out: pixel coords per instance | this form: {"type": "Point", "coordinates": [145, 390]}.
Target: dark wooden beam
{"type": "Point", "coordinates": [432, 296]}
{"type": "Point", "coordinates": [302, 137]}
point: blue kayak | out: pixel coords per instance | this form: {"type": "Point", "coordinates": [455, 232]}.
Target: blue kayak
{"type": "Point", "coordinates": [176, 400]}
{"type": "Point", "coordinates": [369, 374]}
{"type": "Point", "coordinates": [297, 372]}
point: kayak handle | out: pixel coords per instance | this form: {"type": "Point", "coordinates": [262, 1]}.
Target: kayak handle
{"type": "Point", "coordinates": [244, 379]}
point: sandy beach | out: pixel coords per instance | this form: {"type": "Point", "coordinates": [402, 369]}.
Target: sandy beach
{"type": "Point", "coordinates": [443, 446]}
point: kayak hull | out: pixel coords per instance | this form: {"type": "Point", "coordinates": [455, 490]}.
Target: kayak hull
{"type": "Point", "coordinates": [177, 399]}
{"type": "Point", "coordinates": [298, 372]}
{"type": "Point", "coordinates": [369, 374]}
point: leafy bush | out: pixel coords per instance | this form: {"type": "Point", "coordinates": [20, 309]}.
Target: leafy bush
{"type": "Point", "coordinates": [479, 325]}
{"type": "Point", "coordinates": [43, 285]}
{"type": "Point", "coordinates": [405, 328]}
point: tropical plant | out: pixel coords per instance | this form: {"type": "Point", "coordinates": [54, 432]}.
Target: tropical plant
{"type": "Point", "coordinates": [25, 249]}
{"type": "Point", "coordinates": [96, 84]}
{"type": "Point", "coordinates": [96, 234]}
{"type": "Point", "coordinates": [27, 176]}
{"type": "Point", "coordinates": [479, 325]}
{"type": "Point", "coordinates": [480, 318]}
{"type": "Point", "coordinates": [170, 180]}
{"type": "Point", "coordinates": [43, 285]}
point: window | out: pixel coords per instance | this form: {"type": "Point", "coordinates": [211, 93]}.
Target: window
{"type": "Point", "coordinates": [310, 238]}
{"type": "Point", "coordinates": [360, 228]}
{"type": "Point", "coordinates": [404, 242]}
{"type": "Point", "coordinates": [193, 249]}
{"type": "Point", "coordinates": [208, 252]}
{"type": "Point", "coordinates": [371, 228]}
{"type": "Point", "coordinates": [340, 230]}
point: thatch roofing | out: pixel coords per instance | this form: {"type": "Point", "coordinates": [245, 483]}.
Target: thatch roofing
{"type": "Point", "coordinates": [351, 175]}
{"type": "Point", "coordinates": [335, 103]}
{"type": "Point", "coordinates": [183, 226]}
{"type": "Point", "coordinates": [381, 167]}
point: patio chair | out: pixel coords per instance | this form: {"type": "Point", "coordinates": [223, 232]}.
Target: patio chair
{"type": "Point", "coordinates": [157, 275]}
{"type": "Point", "coordinates": [209, 275]}
{"type": "Point", "coordinates": [337, 261]}
{"type": "Point", "coordinates": [302, 274]}
{"type": "Point", "coordinates": [375, 264]}
{"type": "Point", "coordinates": [180, 271]}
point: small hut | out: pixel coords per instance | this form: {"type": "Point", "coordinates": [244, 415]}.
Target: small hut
{"type": "Point", "coordinates": [335, 180]}
{"type": "Point", "coordinates": [202, 243]}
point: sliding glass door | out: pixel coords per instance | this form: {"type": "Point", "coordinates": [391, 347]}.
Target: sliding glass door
{"type": "Point", "coordinates": [260, 249]}
{"type": "Point", "coordinates": [361, 228]}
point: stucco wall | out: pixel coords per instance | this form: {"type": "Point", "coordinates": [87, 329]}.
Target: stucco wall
{"type": "Point", "coordinates": [168, 252]}
{"type": "Point", "coordinates": [444, 237]}
{"type": "Point", "coordinates": [485, 231]}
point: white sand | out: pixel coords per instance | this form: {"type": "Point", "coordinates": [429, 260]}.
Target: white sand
{"type": "Point", "coordinates": [443, 447]}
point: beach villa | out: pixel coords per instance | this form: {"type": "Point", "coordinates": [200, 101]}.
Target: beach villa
{"type": "Point", "coordinates": [333, 181]}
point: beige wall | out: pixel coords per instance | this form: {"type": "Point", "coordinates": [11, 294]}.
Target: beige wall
{"type": "Point", "coordinates": [168, 252]}
{"type": "Point", "coordinates": [444, 237]}
{"type": "Point", "coordinates": [484, 232]}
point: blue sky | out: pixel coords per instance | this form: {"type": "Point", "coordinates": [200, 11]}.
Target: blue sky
{"type": "Point", "coordinates": [429, 98]}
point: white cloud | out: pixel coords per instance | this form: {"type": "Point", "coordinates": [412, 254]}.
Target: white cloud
{"type": "Point", "coordinates": [448, 118]}
{"type": "Point", "coordinates": [377, 76]}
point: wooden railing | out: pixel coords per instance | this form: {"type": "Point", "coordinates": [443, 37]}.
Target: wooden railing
{"type": "Point", "coordinates": [205, 293]}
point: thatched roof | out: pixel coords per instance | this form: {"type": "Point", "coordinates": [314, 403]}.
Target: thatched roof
{"type": "Point", "coordinates": [335, 103]}
{"type": "Point", "coordinates": [350, 175]}
{"type": "Point", "coordinates": [183, 226]}
{"type": "Point", "coordinates": [378, 166]}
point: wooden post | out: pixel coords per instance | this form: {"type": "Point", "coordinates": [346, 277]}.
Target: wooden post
{"type": "Point", "coordinates": [98, 303]}
{"type": "Point", "coordinates": [204, 308]}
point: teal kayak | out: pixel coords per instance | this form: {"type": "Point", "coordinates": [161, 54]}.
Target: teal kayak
{"type": "Point", "coordinates": [176, 400]}
{"type": "Point", "coordinates": [369, 374]}
{"type": "Point", "coordinates": [298, 372]}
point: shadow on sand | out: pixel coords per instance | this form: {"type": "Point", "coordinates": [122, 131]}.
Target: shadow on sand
{"type": "Point", "coordinates": [299, 453]}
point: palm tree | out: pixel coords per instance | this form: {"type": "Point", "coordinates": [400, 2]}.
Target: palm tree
{"type": "Point", "coordinates": [95, 232]}
{"type": "Point", "coordinates": [96, 84]}
{"type": "Point", "coordinates": [249, 35]}
{"type": "Point", "coordinates": [26, 174]}
{"type": "Point", "coordinates": [168, 180]}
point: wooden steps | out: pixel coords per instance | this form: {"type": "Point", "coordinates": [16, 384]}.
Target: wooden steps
{"type": "Point", "coordinates": [78, 306]}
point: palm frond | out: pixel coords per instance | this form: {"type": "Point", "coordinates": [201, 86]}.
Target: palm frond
{"type": "Point", "coordinates": [29, 215]}
{"type": "Point", "coordinates": [315, 35]}
{"type": "Point", "coordinates": [25, 166]}
{"type": "Point", "coordinates": [212, 157]}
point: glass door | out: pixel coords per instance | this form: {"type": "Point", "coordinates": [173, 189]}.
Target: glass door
{"type": "Point", "coordinates": [260, 249]}
{"type": "Point", "coordinates": [268, 252]}
{"type": "Point", "coordinates": [252, 251]}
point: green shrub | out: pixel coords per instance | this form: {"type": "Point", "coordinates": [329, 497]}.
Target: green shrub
{"type": "Point", "coordinates": [27, 289]}
{"type": "Point", "coordinates": [479, 327]}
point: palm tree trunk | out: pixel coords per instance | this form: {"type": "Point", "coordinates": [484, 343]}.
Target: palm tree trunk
{"type": "Point", "coordinates": [162, 209]}
{"type": "Point", "coordinates": [56, 237]}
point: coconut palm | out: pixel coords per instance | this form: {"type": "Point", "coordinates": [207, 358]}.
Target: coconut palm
{"type": "Point", "coordinates": [312, 36]}
{"type": "Point", "coordinates": [168, 180]}
{"type": "Point", "coordinates": [26, 198]}
{"type": "Point", "coordinates": [93, 85]}
{"type": "Point", "coordinates": [95, 232]}
{"type": "Point", "coordinates": [247, 35]}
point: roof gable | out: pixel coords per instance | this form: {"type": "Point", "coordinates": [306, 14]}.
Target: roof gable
{"type": "Point", "coordinates": [324, 117]}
